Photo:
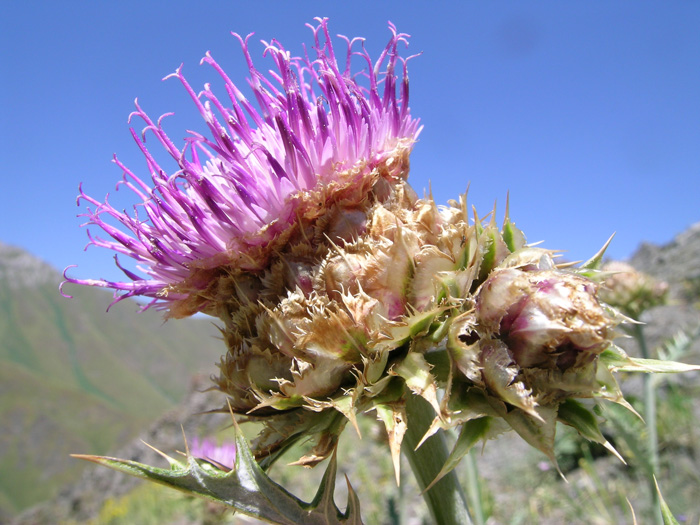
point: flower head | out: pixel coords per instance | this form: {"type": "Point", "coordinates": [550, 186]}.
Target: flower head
{"type": "Point", "coordinates": [548, 318]}
{"type": "Point", "coordinates": [631, 291]}
{"type": "Point", "coordinates": [319, 137]}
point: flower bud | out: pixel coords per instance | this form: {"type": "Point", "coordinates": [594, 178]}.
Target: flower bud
{"type": "Point", "coordinates": [548, 319]}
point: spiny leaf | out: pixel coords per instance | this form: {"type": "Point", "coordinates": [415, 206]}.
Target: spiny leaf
{"type": "Point", "coordinates": [630, 433]}
{"type": "Point", "coordinates": [594, 262]}
{"type": "Point", "coordinates": [410, 327]}
{"type": "Point", "coordinates": [440, 362]}
{"type": "Point", "coordinates": [538, 433]}
{"type": "Point", "coordinates": [289, 428]}
{"type": "Point", "coordinates": [624, 363]}
{"type": "Point", "coordinates": [246, 488]}
{"type": "Point", "coordinates": [415, 370]}
{"type": "Point", "coordinates": [493, 249]}
{"type": "Point", "coordinates": [610, 390]}
{"type": "Point", "coordinates": [666, 514]}
{"type": "Point", "coordinates": [393, 415]}
{"type": "Point", "coordinates": [344, 404]}
{"type": "Point", "coordinates": [576, 415]}
{"type": "Point", "coordinates": [500, 372]}
{"type": "Point", "coordinates": [512, 236]}
{"type": "Point", "coordinates": [472, 431]}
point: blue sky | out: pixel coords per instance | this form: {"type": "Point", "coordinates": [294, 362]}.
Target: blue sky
{"type": "Point", "coordinates": [588, 113]}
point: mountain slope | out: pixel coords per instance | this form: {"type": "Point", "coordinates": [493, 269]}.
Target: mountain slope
{"type": "Point", "coordinates": [74, 378]}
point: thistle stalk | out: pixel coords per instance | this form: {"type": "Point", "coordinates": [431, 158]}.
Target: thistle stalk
{"type": "Point", "coordinates": [650, 419]}
{"type": "Point", "coordinates": [445, 499]}
{"type": "Point", "coordinates": [474, 489]}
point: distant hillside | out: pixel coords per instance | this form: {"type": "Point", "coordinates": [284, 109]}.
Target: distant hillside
{"type": "Point", "coordinates": [80, 501]}
{"type": "Point", "coordinates": [75, 379]}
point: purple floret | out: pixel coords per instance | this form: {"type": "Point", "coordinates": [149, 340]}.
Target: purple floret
{"type": "Point", "coordinates": [224, 454]}
{"type": "Point", "coordinates": [242, 185]}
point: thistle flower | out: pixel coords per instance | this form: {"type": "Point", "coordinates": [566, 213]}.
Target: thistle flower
{"type": "Point", "coordinates": [223, 455]}
{"type": "Point", "coordinates": [265, 218]}
{"type": "Point", "coordinates": [631, 291]}
{"type": "Point", "coordinates": [320, 140]}
{"type": "Point", "coordinates": [341, 292]}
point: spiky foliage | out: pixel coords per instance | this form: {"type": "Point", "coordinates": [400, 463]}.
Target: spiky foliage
{"type": "Point", "coordinates": [245, 487]}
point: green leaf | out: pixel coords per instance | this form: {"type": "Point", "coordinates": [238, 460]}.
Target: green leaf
{"type": "Point", "coordinates": [623, 363]}
{"type": "Point", "coordinates": [440, 362]}
{"type": "Point", "coordinates": [289, 428]}
{"type": "Point", "coordinates": [493, 250]}
{"type": "Point", "coordinates": [513, 237]}
{"type": "Point", "coordinates": [539, 433]}
{"type": "Point", "coordinates": [594, 262]}
{"type": "Point", "coordinates": [246, 488]}
{"type": "Point", "coordinates": [630, 433]}
{"type": "Point", "coordinates": [410, 327]}
{"type": "Point", "coordinates": [500, 374]}
{"type": "Point", "coordinates": [415, 370]}
{"type": "Point", "coordinates": [576, 415]}
{"type": "Point", "coordinates": [666, 514]}
{"type": "Point", "coordinates": [472, 431]}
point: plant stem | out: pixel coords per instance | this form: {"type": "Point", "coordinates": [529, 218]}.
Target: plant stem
{"type": "Point", "coordinates": [446, 501]}
{"type": "Point", "coordinates": [474, 489]}
{"type": "Point", "coordinates": [650, 418]}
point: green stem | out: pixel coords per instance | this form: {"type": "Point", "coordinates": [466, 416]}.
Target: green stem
{"type": "Point", "coordinates": [650, 418]}
{"type": "Point", "coordinates": [445, 499]}
{"type": "Point", "coordinates": [474, 489]}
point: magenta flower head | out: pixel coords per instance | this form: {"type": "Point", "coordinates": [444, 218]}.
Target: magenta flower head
{"type": "Point", "coordinates": [319, 137]}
